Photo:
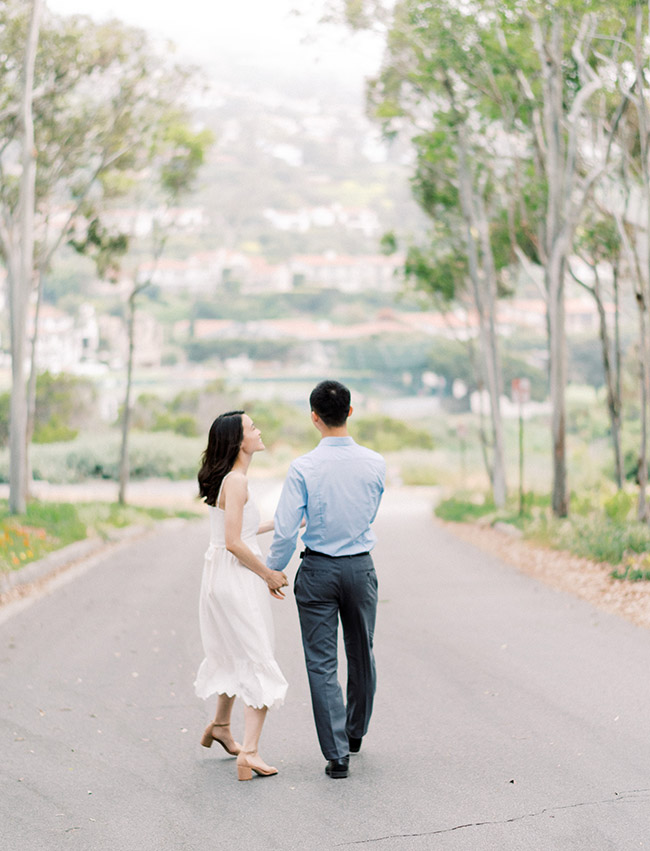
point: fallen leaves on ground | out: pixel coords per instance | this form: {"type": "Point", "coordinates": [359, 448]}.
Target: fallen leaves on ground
{"type": "Point", "coordinates": [582, 577]}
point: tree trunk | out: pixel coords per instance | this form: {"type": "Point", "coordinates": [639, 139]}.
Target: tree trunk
{"type": "Point", "coordinates": [20, 273]}
{"type": "Point", "coordinates": [642, 470]}
{"type": "Point", "coordinates": [126, 413]}
{"type": "Point", "coordinates": [611, 370]}
{"type": "Point", "coordinates": [644, 277]}
{"type": "Point", "coordinates": [556, 248]}
{"type": "Point", "coordinates": [558, 380]}
{"type": "Point", "coordinates": [482, 277]}
{"type": "Point", "coordinates": [31, 386]}
{"type": "Point", "coordinates": [611, 383]}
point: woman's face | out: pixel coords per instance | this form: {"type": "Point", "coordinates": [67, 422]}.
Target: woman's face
{"type": "Point", "coordinates": [252, 440]}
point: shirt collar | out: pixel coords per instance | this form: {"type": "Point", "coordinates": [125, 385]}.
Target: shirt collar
{"type": "Point", "coordinates": [336, 441]}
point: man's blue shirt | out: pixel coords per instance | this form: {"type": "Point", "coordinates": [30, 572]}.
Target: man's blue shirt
{"type": "Point", "coordinates": [337, 488]}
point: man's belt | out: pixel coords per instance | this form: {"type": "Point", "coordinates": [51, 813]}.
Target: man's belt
{"type": "Point", "coordinates": [309, 552]}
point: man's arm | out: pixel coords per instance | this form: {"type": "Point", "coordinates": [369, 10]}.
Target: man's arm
{"type": "Point", "coordinates": [288, 517]}
{"type": "Point", "coordinates": [380, 488]}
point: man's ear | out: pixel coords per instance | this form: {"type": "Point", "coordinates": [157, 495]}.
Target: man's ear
{"type": "Point", "coordinates": [314, 417]}
{"type": "Point", "coordinates": [350, 411]}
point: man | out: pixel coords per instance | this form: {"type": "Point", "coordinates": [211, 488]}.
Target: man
{"type": "Point", "coordinates": [336, 488]}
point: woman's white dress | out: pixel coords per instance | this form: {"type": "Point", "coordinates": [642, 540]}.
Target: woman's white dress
{"type": "Point", "coordinates": [236, 621]}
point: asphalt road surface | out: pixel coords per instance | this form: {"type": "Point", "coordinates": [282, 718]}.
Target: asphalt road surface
{"type": "Point", "coordinates": [509, 716]}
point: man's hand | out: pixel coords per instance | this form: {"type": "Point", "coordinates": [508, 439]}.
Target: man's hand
{"type": "Point", "coordinates": [277, 580]}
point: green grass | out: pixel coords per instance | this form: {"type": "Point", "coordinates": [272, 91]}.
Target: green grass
{"type": "Point", "coordinates": [48, 526]}
{"type": "Point", "coordinates": [458, 510]}
{"type": "Point", "coordinates": [600, 526]}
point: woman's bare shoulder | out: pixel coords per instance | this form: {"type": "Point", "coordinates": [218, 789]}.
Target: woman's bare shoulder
{"type": "Point", "coordinates": [235, 481]}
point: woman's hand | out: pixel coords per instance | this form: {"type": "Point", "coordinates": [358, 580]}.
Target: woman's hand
{"type": "Point", "coordinates": [276, 580]}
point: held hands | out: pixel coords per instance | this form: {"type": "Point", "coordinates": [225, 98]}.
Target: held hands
{"type": "Point", "coordinates": [276, 580]}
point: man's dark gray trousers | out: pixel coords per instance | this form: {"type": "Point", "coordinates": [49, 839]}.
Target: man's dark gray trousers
{"type": "Point", "coordinates": [327, 588]}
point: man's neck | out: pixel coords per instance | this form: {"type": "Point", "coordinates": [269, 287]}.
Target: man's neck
{"type": "Point", "coordinates": [338, 431]}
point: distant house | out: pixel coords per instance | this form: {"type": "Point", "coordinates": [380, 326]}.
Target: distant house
{"type": "Point", "coordinates": [207, 272]}
{"type": "Point", "coordinates": [346, 272]}
{"type": "Point", "coordinates": [362, 219]}
{"type": "Point", "coordinates": [58, 346]}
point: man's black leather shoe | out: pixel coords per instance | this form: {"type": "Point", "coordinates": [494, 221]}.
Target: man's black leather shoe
{"type": "Point", "coordinates": [338, 767]}
{"type": "Point", "coordinates": [355, 744]}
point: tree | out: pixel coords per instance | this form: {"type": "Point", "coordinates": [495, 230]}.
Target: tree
{"type": "Point", "coordinates": [433, 80]}
{"type": "Point", "coordinates": [175, 154]}
{"type": "Point", "coordinates": [570, 43]}
{"type": "Point", "coordinates": [17, 239]}
{"type": "Point", "coordinates": [598, 242]}
{"type": "Point", "coordinates": [523, 74]}
{"type": "Point", "coordinates": [97, 90]}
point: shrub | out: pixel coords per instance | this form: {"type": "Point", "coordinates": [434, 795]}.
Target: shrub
{"type": "Point", "coordinates": [618, 507]}
{"type": "Point", "coordinates": [419, 475]}
{"type": "Point", "coordinates": [462, 510]}
{"type": "Point", "coordinates": [384, 434]}
{"type": "Point", "coordinates": [53, 431]}
{"type": "Point", "coordinates": [158, 454]}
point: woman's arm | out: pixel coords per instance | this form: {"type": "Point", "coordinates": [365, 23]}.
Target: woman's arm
{"type": "Point", "coordinates": [235, 491]}
{"type": "Point", "coordinates": [269, 526]}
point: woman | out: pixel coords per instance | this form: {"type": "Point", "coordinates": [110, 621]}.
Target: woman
{"type": "Point", "coordinates": [235, 610]}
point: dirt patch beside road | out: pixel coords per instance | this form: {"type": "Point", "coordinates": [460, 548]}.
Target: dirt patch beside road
{"type": "Point", "coordinates": [587, 579]}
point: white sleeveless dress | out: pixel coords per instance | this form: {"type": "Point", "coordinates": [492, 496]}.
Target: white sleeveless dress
{"type": "Point", "coordinates": [236, 621]}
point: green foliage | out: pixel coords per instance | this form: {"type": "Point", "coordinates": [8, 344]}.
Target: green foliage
{"type": "Point", "coordinates": [64, 403]}
{"type": "Point", "coordinates": [634, 570]}
{"type": "Point", "coordinates": [184, 153]}
{"type": "Point", "coordinates": [48, 526]}
{"type": "Point", "coordinates": [385, 434]}
{"type": "Point", "coordinates": [594, 531]}
{"type": "Point", "coordinates": [102, 246]}
{"type": "Point", "coordinates": [436, 273]}
{"type": "Point", "coordinates": [152, 413]}
{"type": "Point", "coordinates": [179, 424]}
{"type": "Point", "coordinates": [282, 424]}
{"type": "Point", "coordinates": [603, 539]}
{"type": "Point", "coordinates": [419, 475]}
{"type": "Point", "coordinates": [90, 456]}
{"type": "Point", "coordinates": [53, 431]}
{"type": "Point", "coordinates": [619, 506]}
{"type": "Point", "coordinates": [457, 510]}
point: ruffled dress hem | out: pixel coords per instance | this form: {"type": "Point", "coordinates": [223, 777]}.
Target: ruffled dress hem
{"type": "Point", "coordinates": [271, 694]}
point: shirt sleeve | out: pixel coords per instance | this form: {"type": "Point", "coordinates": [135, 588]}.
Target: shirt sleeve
{"type": "Point", "coordinates": [288, 517]}
{"type": "Point", "coordinates": [380, 488]}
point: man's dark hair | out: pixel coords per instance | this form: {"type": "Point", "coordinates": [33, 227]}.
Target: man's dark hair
{"type": "Point", "coordinates": [331, 401]}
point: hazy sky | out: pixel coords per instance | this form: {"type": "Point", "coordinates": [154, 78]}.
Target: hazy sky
{"type": "Point", "coordinates": [263, 31]}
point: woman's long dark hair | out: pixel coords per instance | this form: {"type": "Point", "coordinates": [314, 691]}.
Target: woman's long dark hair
{"type": "Point", "coordinates": [224, 443]}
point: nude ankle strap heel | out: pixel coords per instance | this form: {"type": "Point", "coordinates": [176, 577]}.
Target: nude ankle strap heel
{"type": "Point", "coordinates": [232, 747]}
{"type": "Point", "coordinates": [246, 767]}
{"type": "Point", "coordinates": [244, 772]}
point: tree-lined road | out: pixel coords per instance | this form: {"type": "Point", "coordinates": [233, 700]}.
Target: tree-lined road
{"type": "Point", "coordinates": [508, 716]}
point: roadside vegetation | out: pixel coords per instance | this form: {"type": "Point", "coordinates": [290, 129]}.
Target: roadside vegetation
{"type": "Point", "coordinates": [601, 526]}
{"type": "Point", "coordinates": [45, 527]}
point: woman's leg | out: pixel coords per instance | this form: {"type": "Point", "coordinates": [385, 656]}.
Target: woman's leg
{"type": "Point", "coordinates": [249, 759]}
{"type": "Point", "coordinates": [253, 723]}
{"type": "Point", "coordinates": [224, 709]}
{"type": "Point", "coordinates": [219, 729]}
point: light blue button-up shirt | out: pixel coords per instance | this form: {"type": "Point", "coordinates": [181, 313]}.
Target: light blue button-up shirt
{"type": "Point", "coordinates": [337, 488]}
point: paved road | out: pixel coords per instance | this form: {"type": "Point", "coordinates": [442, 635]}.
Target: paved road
{"type": "Point", "coordinates": [509, 716]}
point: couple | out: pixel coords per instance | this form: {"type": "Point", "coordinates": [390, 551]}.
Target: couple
{"type": "Point", "coordinates": [334, 491]}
